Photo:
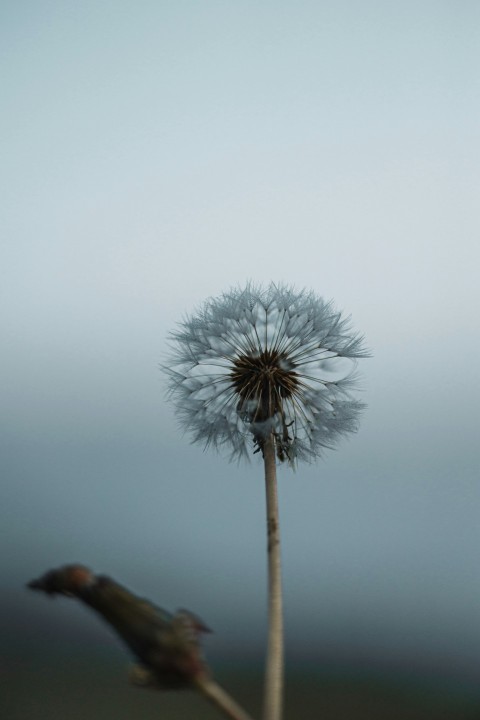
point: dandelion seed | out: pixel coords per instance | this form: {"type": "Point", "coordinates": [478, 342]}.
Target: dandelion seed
{"type": "Point", "coordinates": [266, 360]}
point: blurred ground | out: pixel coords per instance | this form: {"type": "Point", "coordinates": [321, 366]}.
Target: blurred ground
{"type": "Point", "coordinates": [59, 662]}
{"type": "Point", "coordinates": [73, 688]}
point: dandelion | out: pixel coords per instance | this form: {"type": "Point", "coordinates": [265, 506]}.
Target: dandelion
{"type": "Point", "coordinates": [271, 371]}
{"type": "Point", "coordinates": [260, 362]}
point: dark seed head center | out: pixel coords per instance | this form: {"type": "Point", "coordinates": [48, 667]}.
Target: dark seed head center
{"type": "Point", "coordinates": [262, 382]}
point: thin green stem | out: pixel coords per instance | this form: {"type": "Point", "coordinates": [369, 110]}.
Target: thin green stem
{"type": "Point", "coordinates": [273, 696]}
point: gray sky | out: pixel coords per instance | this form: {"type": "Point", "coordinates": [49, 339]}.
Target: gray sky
{"type": "Point", "coordinates": [155, 154]}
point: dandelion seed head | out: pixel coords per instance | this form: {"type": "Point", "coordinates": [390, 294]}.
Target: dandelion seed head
{"type": "Point", "coordinates": [266, 361]}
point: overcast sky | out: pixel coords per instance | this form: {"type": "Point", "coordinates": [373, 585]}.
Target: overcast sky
{"type": "Point", "coordinates": [154, 154]}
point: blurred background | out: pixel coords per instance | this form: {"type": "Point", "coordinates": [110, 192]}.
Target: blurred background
{"type": "Point", "coordinates": [155, 154]}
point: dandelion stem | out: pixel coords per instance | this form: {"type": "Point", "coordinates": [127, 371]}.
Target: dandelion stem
{"type": "Point", "coordinates": [213, 692]}
{"type": "Point", "coordinates": [273, 695]}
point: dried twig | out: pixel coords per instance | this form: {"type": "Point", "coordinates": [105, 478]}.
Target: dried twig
{"type": "Point", "coordinates": [167, 646]}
